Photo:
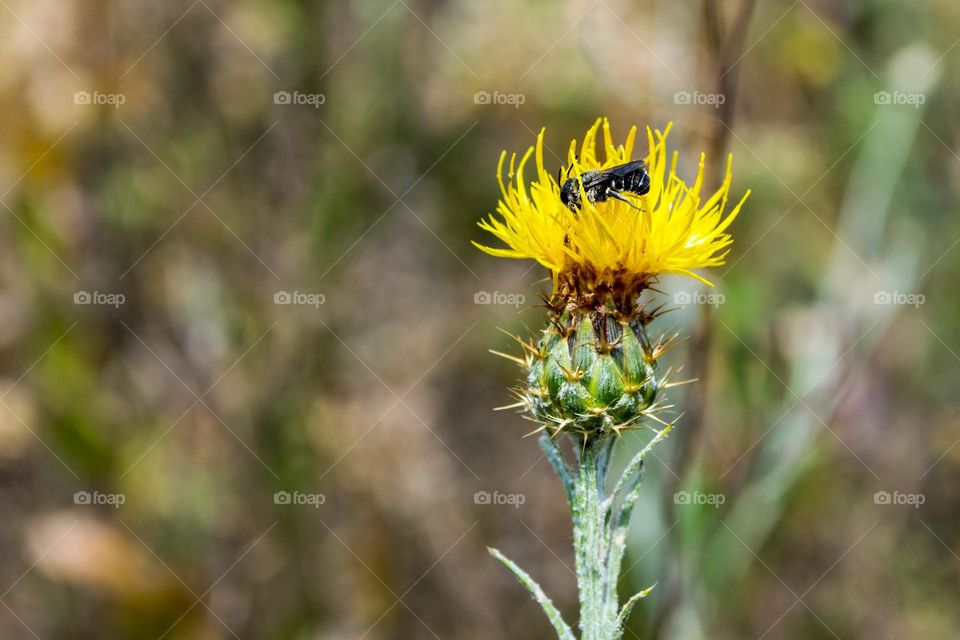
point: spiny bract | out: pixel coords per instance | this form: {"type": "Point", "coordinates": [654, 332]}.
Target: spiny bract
{"type": "Point", "coordinates": [592, 372]}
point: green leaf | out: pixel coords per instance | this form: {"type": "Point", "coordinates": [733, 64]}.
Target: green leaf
{"type": "Point", "coordinates": [562, 628]}
{"type": "Point", "coordinates": [551, 449]}
{"type": "Point", "coordinates": [618, 533]}
{"type": "Point", "coordinates": [628, 607]}
{"type": "Point", "coordinates": [634, 467]}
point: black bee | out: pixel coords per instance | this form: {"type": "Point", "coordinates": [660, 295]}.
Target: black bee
{"type": "Point", "coordinates": [600, 185]}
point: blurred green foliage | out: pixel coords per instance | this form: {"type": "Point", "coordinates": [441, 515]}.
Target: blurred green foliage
{"type": "Point", "coordinates": [198, 398]}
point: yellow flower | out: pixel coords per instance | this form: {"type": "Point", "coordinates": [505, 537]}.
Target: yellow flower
{"type": "Point", "coordinates": [611, 247]}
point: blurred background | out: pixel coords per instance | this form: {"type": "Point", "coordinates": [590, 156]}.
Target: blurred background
{"type": "Point", "coordinates": [246, 390]}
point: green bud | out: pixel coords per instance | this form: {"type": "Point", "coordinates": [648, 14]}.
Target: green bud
{"type": "Point", "coordinates": [592, 373]}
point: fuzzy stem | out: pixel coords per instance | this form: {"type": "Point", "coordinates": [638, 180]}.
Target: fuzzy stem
{"type": "Point", "coordinates": [599, 534]}
{"type": "Point", "coordinates": [591, 541]}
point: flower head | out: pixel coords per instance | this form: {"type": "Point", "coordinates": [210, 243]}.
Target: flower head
{"type": "Point", "coordinates": [610, 247]}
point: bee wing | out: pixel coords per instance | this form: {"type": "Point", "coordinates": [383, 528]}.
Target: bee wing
{"type": "Point", "coordinates": [597, 178]}
{"type": "Point", "coordinates": [625, 169]}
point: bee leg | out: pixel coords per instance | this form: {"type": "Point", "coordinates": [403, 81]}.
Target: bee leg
{"type": "Point", "coordinates": [616, 194]}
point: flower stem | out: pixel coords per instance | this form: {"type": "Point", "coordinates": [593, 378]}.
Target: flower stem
{"type": "Point", "coordinates": [591, 540]}
{"type": "Point", "coordinates": [600, 523]}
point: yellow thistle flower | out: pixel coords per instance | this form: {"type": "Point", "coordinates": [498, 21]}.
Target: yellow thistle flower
{"type": "Point", "coordinates": [610, 246]}
{"type": "Point", "coordinates": [594, 372]}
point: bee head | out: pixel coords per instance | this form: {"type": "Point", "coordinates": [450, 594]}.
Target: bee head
{"type": "Point", "coordinates": [570, 194]}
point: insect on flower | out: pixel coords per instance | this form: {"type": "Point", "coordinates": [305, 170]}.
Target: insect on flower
{"type": "Point", "coordinates": [608, 183]}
